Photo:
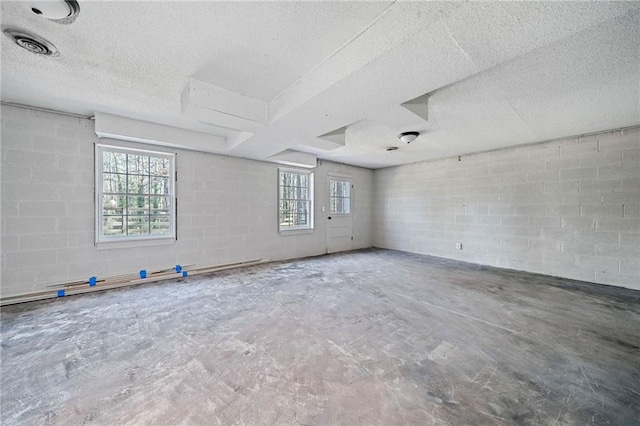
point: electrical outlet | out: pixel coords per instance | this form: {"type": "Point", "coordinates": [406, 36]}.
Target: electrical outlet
{"type": "Point", "coordinates": [458, 246]}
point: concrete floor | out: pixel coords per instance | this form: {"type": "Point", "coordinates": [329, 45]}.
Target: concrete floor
{"type": "Point", "coordinates": [370, 337]}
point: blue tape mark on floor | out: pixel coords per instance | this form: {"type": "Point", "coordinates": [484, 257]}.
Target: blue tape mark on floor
{"type": "Point", "coordinates": [60, 293]}
{"type": "Point", "coordinates": [93, 281]}
{"type": "Point", "coordinates": [178, 268]}
{"type": "Point", "coordinates": [185, 273]}
{"type": "Point", "coordinates": [143, 273]}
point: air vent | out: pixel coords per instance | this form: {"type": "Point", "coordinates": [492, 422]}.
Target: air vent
{"type": "Point", "coordinates": [391, 148]}
{"type": "Point", "coordinates": [31, 42]}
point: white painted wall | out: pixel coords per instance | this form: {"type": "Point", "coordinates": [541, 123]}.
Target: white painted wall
{"type": "Point", "coordinates": [569, 208]}
{"type": "Point", "coordinates": [227, 208]}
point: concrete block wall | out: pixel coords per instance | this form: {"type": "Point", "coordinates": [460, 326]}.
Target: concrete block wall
{"type": "Point", "coordinates": [227, 208]}
{"type": "Point", "coordinates": [569, 208]}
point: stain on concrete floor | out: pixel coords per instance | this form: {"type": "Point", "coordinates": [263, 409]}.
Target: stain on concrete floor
{"type": "Point", "coordinates": [373, 337]}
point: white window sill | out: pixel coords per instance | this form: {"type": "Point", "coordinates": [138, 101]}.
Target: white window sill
{"type": "Point", "coordinates": [107, 245]}
{"type": "Point", "coordinates": [296, 231]}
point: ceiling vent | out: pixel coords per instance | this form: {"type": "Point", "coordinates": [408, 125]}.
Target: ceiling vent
{"type": "Point", "coordinates": [31, 42]}
{"type": "Point", "coordinates": [60, 11]}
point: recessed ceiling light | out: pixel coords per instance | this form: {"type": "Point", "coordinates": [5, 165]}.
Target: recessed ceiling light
{"type": "Point", "coordinates": [31, 42]}
{"type": "Point", "coordinates": [408, 137]}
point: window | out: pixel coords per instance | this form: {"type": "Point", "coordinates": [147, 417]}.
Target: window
{"type": "Point", "coordinates": [339, 196]}
{"type": "Point", "coordinates": [135, 194]}
{"type": "Point", "coordinates": [295, 200]}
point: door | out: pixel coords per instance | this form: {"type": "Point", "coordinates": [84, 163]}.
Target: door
{"type": "Point", "coordinates": [339, 216]}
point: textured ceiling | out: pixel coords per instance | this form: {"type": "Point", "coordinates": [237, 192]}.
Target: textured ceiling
{"type": "Point", "coordinates": [498, 74]}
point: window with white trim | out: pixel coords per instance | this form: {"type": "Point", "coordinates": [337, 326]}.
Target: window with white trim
{"type": "Point", "coordinates": [295, 200]}
{"type": "Point", "coordinates": [135, 194]}
{"type": "Point", "coordinates": [339, 196]}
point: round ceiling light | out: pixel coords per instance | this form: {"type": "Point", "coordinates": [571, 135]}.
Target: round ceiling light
{"type": "Point", "coordinates": [408, 137]}
{"type": "Point", "coordinates": [60, 11]}
{"type": "Point", "coordinates": [31, 42]}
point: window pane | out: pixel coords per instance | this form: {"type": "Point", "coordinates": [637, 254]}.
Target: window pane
{"type": "Point", "coordinates": [283, 219]}
{"type": "Point", "coordinates": [159, 185]}
{"type": "Point", "coordinates": [346, 189]}
{"type": "Point", "coordinates": [137, 164]}
{"type": "Point", "coordinates": [114, 162]}
{"type": "Point", "coordinates": [346, 205]}
{"type": "Point", "coordinates": [138, 206]}
{"type": "Point", "coordinates": [137, 225]}
{"type": "Point", "coordinates": [138, 184]}
{"type": "Point", "coordinates": [113, 204]}
{"type": "Point", "coordinates": [112, 182]}
{"type": "Point", "coordinates": [159, 166]}
{"type": "Point", "coordinates": [303, 194]}
{"type": "Point", "coordinates": [159, 205]}
{"type": "Point", "coordinates": [112, 226]}
{"type": "Point", "coordinates": [294, 192]}
{"type": "Point", "coordinates": [160, 225]}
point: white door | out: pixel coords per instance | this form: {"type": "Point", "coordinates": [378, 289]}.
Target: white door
{"type": "Point", "coordinates": [339, 215]}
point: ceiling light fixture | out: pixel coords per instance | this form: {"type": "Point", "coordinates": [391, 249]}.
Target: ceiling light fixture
{"type": "Point", "coordinates": [60, 11]}
{"type": "Point", "coordinates": [408, 137]}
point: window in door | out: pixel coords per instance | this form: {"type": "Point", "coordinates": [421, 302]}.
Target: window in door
{"type": "Point", "coordinates": [339, 196]}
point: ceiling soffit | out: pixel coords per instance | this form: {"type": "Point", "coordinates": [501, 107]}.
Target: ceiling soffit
{"type": "Point", "coordinates": [468, 76]}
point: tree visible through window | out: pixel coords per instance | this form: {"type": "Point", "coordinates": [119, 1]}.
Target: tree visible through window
{"type": "Point", "coordinates": [135, 194]}
{"type": "Point", "coordinates": [295, 200]}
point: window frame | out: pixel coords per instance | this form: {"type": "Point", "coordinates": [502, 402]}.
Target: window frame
{"type": "Point", "coordinates": [310, 190]}
{"type": "Point", "coordinates": [102, 241]}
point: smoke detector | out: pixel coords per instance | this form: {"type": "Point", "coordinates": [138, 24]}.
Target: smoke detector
{"type": "Point", "coordinates": [60, 11]}
{"type": "Point", "coordinates": [408, 137]}
{"type": "Point", "coordinates": [31, 42]}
